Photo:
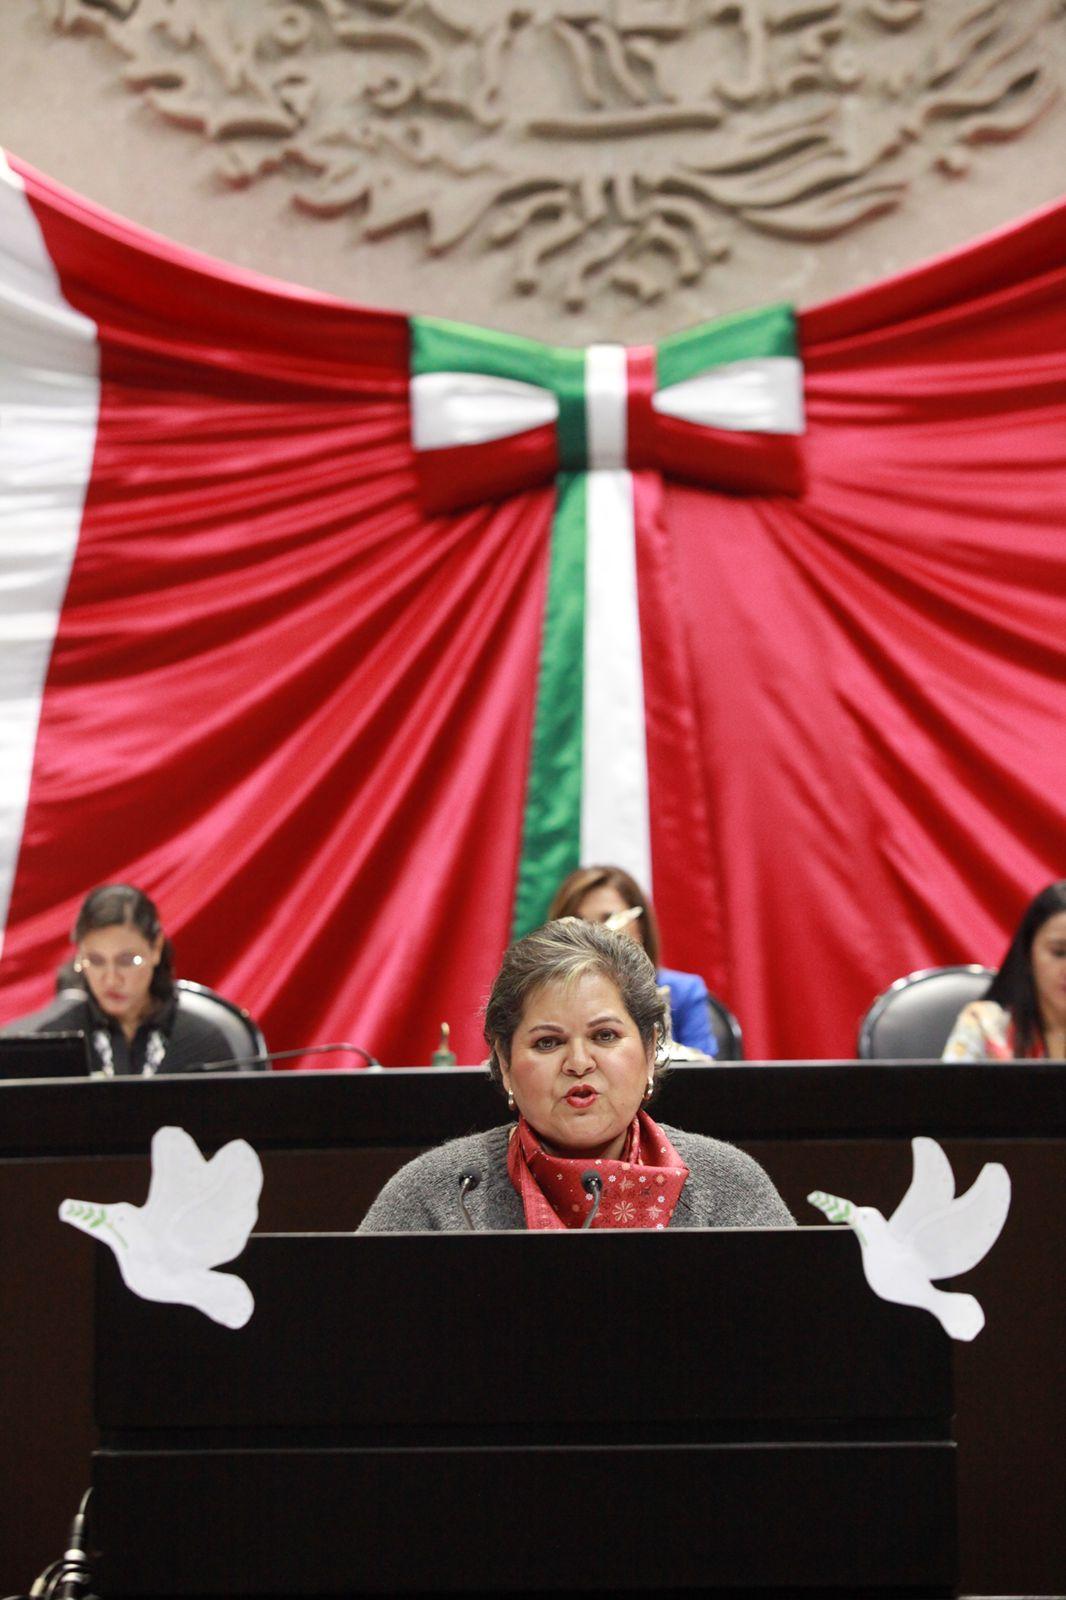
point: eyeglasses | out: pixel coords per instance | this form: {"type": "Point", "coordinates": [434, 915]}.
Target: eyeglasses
{"type": "Point", "coordinates": [97, 963]}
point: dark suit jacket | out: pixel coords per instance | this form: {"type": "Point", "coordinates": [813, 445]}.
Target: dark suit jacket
{"type": "Point", "coordinates": [188, 1041]}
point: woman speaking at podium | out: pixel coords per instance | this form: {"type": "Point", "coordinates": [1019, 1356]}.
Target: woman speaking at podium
{"type": "Point", "coordinates": [573, 1024]}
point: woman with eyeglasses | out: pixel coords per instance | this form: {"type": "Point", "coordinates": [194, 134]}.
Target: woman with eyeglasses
{"type": "Point", "coordinates": [120, 992]}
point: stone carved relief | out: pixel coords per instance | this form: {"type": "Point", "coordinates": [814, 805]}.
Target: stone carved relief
{"type": "Point", "coordinates": [602, 145]}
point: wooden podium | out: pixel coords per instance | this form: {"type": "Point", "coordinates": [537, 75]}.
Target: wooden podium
{"type": "Point", "coordinates": [730, 1411]}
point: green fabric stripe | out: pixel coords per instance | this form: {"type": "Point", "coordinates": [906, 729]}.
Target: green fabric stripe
{"type": "Point", "coordinates": [568, 382]}
{"type": "Point", "coordinates": [438, 345]}
{"type": "Point", "coordinates": [745, 336]}
{"type": "Point", "coordinates": [551, 831]}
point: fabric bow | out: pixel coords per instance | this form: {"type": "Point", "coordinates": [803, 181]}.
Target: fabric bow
{"type": "Point", "coordinates": [493, 413]}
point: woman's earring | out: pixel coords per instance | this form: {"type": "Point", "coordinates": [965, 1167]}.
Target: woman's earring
{"type": "Point", "coordinates": [510, 1101]}
{"type": "Point", "coordinates": [650, 1090]}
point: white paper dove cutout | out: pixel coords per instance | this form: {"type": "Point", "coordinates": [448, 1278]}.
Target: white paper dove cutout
{"type": "Point", "coordinates": [930, 1235]}
{"type": "Point", "coordinates": [198, 1214]}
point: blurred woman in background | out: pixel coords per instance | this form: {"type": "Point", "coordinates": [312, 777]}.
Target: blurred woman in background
{"type": "Point", "coordinates": [1023, 1012]}
{"type": "Point", "coordinates": [122, 995]}
{"type": "Point", "coordinates": [609, 895]}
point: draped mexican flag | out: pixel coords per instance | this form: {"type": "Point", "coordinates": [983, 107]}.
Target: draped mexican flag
{"type": "Point", "coordinates": [492, 414]}
{"type": "Point", "coordinates": [344, 635]}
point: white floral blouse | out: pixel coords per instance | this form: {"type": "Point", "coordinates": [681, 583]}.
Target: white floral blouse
{"type": "Point", "coordinates": [983, 1031]}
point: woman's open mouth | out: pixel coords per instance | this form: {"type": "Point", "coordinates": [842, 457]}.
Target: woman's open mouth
{"type": "Point", "coordinates": [582, 1095]}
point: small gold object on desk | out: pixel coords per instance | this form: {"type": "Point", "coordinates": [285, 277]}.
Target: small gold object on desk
{"type": "Point", "coordinates": [443, 1055]}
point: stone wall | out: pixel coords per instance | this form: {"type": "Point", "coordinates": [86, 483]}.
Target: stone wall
{"type": "Point", "coordinates": [571, 169]}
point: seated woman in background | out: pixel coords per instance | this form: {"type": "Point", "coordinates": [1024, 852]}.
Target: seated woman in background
{"type": "Point", "coordinates": [605, 894]}
{"type": "Point", "coordinates": [1023, 1013]}
{"type": "Point", "coordinates": [125, 1000]}
{"type": "Point", "coordinates": [572, 1025]}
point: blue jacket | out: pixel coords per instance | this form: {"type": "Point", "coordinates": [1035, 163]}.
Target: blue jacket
{"type": "Point", "coordinates": [689, 1012]}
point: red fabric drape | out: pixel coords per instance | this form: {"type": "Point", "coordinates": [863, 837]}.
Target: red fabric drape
{"type": "Point", "coordinates": [280, 698]}
{"type": "Point", "coordinates": [878, 668]}
{"type": "Point", "coordinates": [297, 710]}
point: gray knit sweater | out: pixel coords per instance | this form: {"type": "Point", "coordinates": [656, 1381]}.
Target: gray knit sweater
{"type": "Point", "coordinates": [725, 1189]}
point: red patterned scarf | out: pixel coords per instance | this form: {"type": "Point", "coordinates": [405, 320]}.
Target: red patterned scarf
{"type": "Point", "coordinates": [639, 1191]}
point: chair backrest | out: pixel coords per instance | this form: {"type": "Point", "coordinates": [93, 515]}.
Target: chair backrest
{"type": "Point", "coordinates": [912, 1019]}
{"type": "Point", "coordinates": [239, 1030]}
{"type": "Point", "coordinates": [726, 1030]}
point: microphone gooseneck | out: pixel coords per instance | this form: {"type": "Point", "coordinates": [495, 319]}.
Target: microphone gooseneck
{"type": "Point", "coordinates": [469, 1179]}
{"type": "Point", "coordinates": [592, 1184]}
{"type": "Point", "coordinates": [74, 1579]}
{"type": "Point", "coordinates": [268, 1056]}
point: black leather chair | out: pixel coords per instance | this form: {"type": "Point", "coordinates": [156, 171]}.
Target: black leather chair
{"type": "Point", "coordinates": [240, 1030]}
{"type": "Point", "coordinates": [912, 1019]}
{"type": "Point", "coordinates": [726, 1030]}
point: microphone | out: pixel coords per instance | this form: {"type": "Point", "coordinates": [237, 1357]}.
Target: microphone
{"type": "Point", "coordinates": [283, 1055]}
{"type": "Point", "coordinates": [74, 1577]}
{"type": "Point", "coordinates": [592, 1184]}
{"type": "Point", "coordinates": [469, 1179]}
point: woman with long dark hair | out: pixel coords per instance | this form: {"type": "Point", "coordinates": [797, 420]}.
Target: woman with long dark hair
{"type": "Point", "coordinates": [120, 992]}
{"type": "Point", "coordinates": [1023, 1012]}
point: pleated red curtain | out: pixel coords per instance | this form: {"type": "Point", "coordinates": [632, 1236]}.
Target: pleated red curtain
{"type": "Point", "coordinates": [297, 710]}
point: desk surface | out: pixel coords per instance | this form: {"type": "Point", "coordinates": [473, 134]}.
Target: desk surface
{"type": "Point", "coordinates": [419, 1106]}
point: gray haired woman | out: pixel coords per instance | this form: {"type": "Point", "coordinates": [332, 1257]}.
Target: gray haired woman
{"type": "Point", "coordinates": [573, 1025]}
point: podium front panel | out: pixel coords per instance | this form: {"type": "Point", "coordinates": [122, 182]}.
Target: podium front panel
{"type": "Point", "coordinates": [846, 1520]}
{"type": "Point", "coordinates": [505, 1412]}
